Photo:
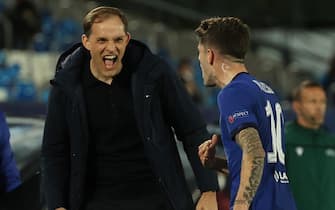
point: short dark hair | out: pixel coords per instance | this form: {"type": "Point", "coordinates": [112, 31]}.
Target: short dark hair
{"type": "Point", "coordinates": [296, 93]}
{"type": "Point", "coordinates": [229, 34]}
{"type": "Point", "coordinates": [99, 14]}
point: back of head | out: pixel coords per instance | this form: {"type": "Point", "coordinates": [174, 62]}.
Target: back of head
{"type": "Point", "coordinates": [100, 14]}
{"type": "Point", "coordinates": [227, 34]}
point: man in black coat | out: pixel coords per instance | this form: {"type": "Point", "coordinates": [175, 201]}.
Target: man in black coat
{"type": "Point", "coordinates": [109, 137]}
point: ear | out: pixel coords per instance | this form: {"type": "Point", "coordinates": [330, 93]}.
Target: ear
{"type": "Point", "coordinates": [128, 37]}
{"type": "Point", "coordinates": [85, 41]}
{"type": "Point", "coordinates": [296, 107]}
{"type": "Point", "coordinates": [210, 56]}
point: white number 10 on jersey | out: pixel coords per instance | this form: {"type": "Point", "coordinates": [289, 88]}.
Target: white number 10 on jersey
{"type": "Point", "coordinates": [276, 129]}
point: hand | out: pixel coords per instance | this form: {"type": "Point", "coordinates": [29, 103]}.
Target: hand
{"type": "Point", "coordinates": [207, 201]}
{"type": "Point", "coordinates": [61, 208]}
{"type": "Point", "coordinates": [207, 151]}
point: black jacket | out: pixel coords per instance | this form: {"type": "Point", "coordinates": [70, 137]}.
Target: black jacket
{"type": "Point", "coordinates": [160, 102]}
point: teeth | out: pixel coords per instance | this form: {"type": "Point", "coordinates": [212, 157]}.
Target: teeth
{"type": "Point", "coordinates": [111, 57]}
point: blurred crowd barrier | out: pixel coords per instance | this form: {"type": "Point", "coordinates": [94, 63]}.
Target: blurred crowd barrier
{"type": "Point", "coordinates": [25, 75]}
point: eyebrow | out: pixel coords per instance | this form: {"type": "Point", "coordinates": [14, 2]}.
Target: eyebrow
{"type": "Point", "coordinates": [101, 38]}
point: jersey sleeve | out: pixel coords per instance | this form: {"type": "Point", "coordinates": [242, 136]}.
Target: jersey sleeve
{"type": "Point", "coordinates": [237, 108]}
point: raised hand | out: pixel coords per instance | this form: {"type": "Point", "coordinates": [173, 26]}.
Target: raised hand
{"type": "Point", "coordinates": [207, 152]}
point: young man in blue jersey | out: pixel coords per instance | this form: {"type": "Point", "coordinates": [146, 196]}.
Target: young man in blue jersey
{"type": "Point", "coordinates": [251, 120]}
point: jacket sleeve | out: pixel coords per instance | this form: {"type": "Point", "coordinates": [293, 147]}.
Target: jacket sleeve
{"type": "Point", "coordinates": [55, 152]}
{"type": "Point", "coordinates": [9, 174]}
{"type": "Point", "coordinates": [188, 124]}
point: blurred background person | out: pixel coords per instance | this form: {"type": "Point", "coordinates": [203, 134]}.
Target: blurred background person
{"type": "Point", "coordinates": [26, 23]}
{"type": "Point", "coordinates": [328, 82]}
{"type": "Point", "coordinates": [186, 73]}
{"type": "Point", "coordinates": [9, 174]}
{"type": "Point", "coordinates": [310, 150]}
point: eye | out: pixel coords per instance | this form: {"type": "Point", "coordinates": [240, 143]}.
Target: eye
{"type": "Point", "coordinates": [119, 40]}
{"type": "Point", "coordinates": [101, 40]}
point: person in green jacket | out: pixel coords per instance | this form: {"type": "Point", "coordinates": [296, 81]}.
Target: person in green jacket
{"type": "Point", "coordinates": [310, 156]}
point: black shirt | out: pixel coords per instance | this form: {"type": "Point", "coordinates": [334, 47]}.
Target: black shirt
{"type": "Point", "coordinates": [117, 167]}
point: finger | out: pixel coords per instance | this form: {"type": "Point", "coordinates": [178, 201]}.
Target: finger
{"type": "Point", "coordinates": [214, 141]}
{"type": "Point", "coordinates": [205, 153]}
{"type": "Point", "coordinates": [202, 145]}
{"type": "Point", "coordinates": [202, 148]}
{"type": "Point", "coordinates": [201, 152]}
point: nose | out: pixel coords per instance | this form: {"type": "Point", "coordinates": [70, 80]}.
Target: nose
{"type": "Point", "coordinates": [321, 106]}
{"type": "Point", "coordinates": [111, 46]}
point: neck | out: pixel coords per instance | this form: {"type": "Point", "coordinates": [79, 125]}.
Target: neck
{"type": "Point", "coordinates": [231, 59]}
{"type": "Point", "coordinates": [107, 80]}
{"type": "Point", "coordinates": [312, 126]}
{"type": "Point", "coordinates": [228, 69]}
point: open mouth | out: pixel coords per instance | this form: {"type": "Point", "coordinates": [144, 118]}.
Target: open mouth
{"type": "Point", "coordinates": [109, 60]}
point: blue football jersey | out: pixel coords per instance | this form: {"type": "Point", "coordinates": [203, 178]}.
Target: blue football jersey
{"type": "Point", "coordinates": [247, 102]}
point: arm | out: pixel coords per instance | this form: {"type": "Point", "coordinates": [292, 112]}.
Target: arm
{"type": "Point", "coordinates": [210, 160]}
{"type": "Point", "coordinates": [55, 152]}
{"type": "Point", "coordinates": [252, 167]}
{"type": "Point", "coordinates": [190, 128]}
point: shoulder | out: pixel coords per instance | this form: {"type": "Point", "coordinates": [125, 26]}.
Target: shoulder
{"type": "Point", "coordinates": [237, 90]}
{"type": "Point", "coordinates": [69, 68]}
{"type": "Point", "coordinates": [146, 62]}
{"type": "Point", "coordinates": [159, 69]}
{"type": "Point", "coordinates": [294, 133]}
{"type": "Point", "coordinates": [4, 130]}
{"type": "Point", "coordinates": [290, 124]}
{"type": "Point", "coordinates": [262, 86]}
{"type": "Point", "coordinates": [328, 138]}
{"type": "Point", "coordinates": [289, 127]}
{"type": "Point", "coordinates": [71, 57]}
{"type": "Point", "coordinates": [2, 116]}
{"type": "Point", "coordinates": [3, 123]}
